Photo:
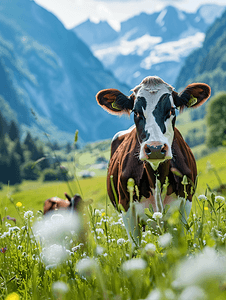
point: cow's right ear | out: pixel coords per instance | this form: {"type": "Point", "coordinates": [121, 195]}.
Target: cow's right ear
{"type": "Point", "coordinates": [115, 102]}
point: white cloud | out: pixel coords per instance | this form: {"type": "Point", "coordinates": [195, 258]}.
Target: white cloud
{"type": "Point", "coordinates": [73, 12]}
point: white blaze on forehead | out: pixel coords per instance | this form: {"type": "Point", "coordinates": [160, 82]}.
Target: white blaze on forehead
{"type": "Point", "coordinates": [152, 88]}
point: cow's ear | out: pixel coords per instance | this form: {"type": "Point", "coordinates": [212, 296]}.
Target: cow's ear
{"type": "Point", "coordinates": [115, 102]}
{"type": "Point", "coordinates": [194, 95]}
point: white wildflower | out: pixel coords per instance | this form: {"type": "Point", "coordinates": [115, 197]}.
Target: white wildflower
{"type": "Point", "coordinates": [150, 249]}
{"type": "Point", "coordinates": [87, 267]}
{"type": "Point", "coordinates": [165, 240]}
{"type": "Point", "coordinates": [202, 198]}
{"type": "Point", "coordinates": [99, 230]}
{"type": "Point", "coordinates": [99, 250]}
{"type": "Point", "coordinates": [197, 270]}
{"type": "Point", "coordinates": [135, 264]}
{"type": "Point", "coordinates": [59, 288]}
{"type": "Point", "coordinates": [157, 216]}
{"type": "Point", "coordinates": [28, 215]}
{"type": "Point", "coordinates": [15, 228]}
{"type": "Point", "coordinates": [55, 227]}
{"type": "Point", "coordinates": [121, 241]}
{"type": "Point", "coordinates": [219, 199]}
{"type": "Point", "coordinates": [74, 249]}
{"type": "Point", "coordinates": [154, 295]}
{"type": "Point", "coordinates": [54, 254]}
{"type": "Point", "coordinates": [194, 293]}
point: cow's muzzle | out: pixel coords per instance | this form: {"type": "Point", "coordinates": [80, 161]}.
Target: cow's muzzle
{"type": "Point", "coordinates": [156, 151]}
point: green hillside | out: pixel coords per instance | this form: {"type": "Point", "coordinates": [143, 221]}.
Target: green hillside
{"type": "Point", "coordinates": [33, 194]}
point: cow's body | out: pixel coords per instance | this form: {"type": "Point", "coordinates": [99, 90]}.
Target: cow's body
{"type": "Point", "coordinates": [153, 147]}
{"type": "Point", "coordinates": [125, 164]}
{"type": "Point", "coordinates": [70, 203]}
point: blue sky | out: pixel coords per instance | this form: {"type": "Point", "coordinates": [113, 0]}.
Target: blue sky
{"type": "Point", "coordinates": [73, 12]}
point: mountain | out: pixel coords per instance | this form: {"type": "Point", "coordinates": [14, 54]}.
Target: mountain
{"type": "Point", "coordinates": [208, 63]}
{"type": "Point", "coordinates": [150, 44]}
{"type": "Point", "coordinates": [49, 77]}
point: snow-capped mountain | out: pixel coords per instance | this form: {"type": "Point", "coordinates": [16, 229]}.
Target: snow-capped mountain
{"type": "Point", "coordinates": [149, 44]}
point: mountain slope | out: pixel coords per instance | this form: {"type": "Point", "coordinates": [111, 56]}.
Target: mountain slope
{"type": "Point", "coordinates": [151, 44]}
{"type": "Point", "coordinates": [208, 64]}
{"type": "Point", "coordinates": [53, 73]}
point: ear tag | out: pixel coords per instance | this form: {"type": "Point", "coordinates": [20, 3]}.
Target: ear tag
{"type": "Point", "coordinates": [114, 105]}
{"type": "Point", "coordinates": [192, 101]}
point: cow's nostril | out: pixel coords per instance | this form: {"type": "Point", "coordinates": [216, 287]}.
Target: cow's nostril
{"type": "Point", "coordinates": [164, 149]}
{"type": "Point", "coordinates": [147, 149]}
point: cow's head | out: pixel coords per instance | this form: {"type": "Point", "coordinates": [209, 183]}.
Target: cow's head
{"type": "Point", "coordinates": [154, 104]}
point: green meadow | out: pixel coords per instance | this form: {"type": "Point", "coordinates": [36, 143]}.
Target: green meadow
{"type": "Point", "coordinates": [45, 258]}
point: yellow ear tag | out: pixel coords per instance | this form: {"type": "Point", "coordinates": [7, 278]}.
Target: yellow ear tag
{"type": "Point", "coordinates": [114, 105]}
{"type": "Point", "coordinates": [192, 101]}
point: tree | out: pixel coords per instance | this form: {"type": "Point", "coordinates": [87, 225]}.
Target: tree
{"type": "Point", "coordinates": [14, 132]}
{"type": "Point", "coordinates": [30, 171]}
{"type": "Point", "coordinates": [14, 169]}
{"type": "Point", "coordinates": [18, 149]}
{"type": "Point", "coordinates": [216, 120]}
{"type": "Point", "coordinates": [3, 126]}
{"type": "Point", "coordinates": [31, 146]}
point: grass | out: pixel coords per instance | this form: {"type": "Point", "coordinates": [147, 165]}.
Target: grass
{"type": "Point", "coordinates": [41, 259]}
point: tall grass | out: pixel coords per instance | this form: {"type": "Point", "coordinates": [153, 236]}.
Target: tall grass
{"type": "Point", "coordinates": [98, 261]}
{"type": "Point", "coordinates": [92, 257]}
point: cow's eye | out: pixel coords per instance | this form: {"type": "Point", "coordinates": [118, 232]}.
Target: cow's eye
{"type": "Point", "coordinates": [136, 114]}
{"type": "Point", "coordinates": [173, 112]}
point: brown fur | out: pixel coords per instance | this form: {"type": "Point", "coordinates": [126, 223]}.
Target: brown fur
{"type": "Point", "coordinates": [125, 164]}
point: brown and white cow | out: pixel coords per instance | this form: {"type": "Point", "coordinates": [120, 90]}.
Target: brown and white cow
{"type": "Point", "coordinates": [152, 146]}
{"type": "Point", "coordinates": [70, 203]}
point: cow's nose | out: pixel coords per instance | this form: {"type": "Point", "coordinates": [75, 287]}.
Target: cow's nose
{"type": "Point", "coordinates": [156, 151]}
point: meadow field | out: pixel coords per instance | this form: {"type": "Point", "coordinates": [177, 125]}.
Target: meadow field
{"type": "Point", "coordinates": [91, 257]}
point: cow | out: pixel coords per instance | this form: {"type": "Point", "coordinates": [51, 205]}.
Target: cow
{"type": "Point", "coordinates": [153, 148]}
{"type": "Point", "coordinates": [70, 203]}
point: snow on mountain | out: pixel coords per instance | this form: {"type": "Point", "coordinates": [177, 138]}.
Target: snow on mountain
{"type": "Point", "coordinates": [150, 44]}
{"type": "Point", "coordinates": [210, 12]}
{"type": "Point", "coordinates": [172, 51]}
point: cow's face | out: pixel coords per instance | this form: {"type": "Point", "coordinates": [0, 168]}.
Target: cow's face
{"type": "Point", "coordinates": [154, 116]}
{"type": "Point", "coordinates": [154, 104]}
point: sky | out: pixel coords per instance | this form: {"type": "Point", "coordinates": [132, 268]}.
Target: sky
{"type": "Point", "coordinates": [74, 12]}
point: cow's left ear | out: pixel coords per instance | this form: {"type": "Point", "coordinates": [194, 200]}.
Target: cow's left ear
{"type": "Point", "coordinates": [115, 102]}
{"type": "Point", "coordinates": [194, 95]}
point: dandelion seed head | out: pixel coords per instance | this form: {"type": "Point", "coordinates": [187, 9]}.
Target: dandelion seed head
{"type": "Point", "coordinates": [87, 267]}
{"type": "Point", "coordinates": [150, 249]}
{"type": "Point", "coordinates": [165, 240]}
{"type": "Point", "coordinates": [59, 288]}
{"type": "Point", "coordinates": [193, 292]}
{"type": "Point", "coordinates": [197, 270]}
{"type": "Point", "coordinates": [54, 254]}
{"type": "Point", "coordinates": [154, 295]}
{"type": "Point", "coordinates": [53, 228]}
{"type": "Point", "coordinates": [99, 250]}
{"type": "Point", "coordinates": [135, 264]}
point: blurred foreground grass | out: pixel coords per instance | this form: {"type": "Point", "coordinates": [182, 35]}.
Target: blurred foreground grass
{"type": "Point", "coordinates": [49, 259]}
